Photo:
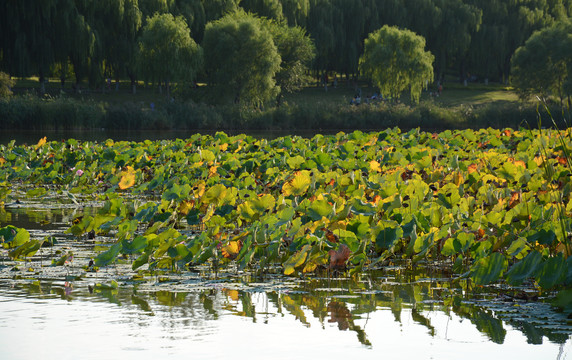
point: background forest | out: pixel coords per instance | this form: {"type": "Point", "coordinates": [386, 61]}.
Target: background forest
{"type": "Point", "coordinates": [190, 41]}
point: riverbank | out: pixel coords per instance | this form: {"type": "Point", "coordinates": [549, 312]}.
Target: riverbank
{"type": "Point", "coordinates": [312, 109]}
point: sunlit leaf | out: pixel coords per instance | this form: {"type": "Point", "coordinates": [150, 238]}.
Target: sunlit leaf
{"type": "Point", "coordinates": [298, 184]}
{"type": "Point", "coordinates": [127, 178]}
{"type": "Point", "coordinates": [41, 143]}
{"type": "Point", "coordinates": [231, 249]}
{"type": "Point", "coordinates": [296, 260]}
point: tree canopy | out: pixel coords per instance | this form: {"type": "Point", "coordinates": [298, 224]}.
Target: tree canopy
{"type": "Point", "coordinates": [395, 60]}
{"type": "Point", "coordinates": [543, 65]}
{"type": "Point", "coordinates": [241, 58]}
{"type": "Point", "coordinates": [470, 39]}
{"type": "Point", "coordinates": [167, 51]}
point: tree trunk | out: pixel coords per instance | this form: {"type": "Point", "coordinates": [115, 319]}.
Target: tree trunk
{"type": "Point", "coordinates": [133, 82]}
{"type": "Point", "coordinates": [42, 82]}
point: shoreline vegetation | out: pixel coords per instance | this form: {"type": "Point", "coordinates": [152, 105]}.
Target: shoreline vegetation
{"type": "Point", "coordinates": [472, 107]}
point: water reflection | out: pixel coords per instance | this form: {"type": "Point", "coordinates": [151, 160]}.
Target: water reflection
{"type": "Point", "coordinates": [343, 305]}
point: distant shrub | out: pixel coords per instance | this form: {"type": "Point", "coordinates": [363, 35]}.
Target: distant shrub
{"type": "Point", "coordinates": [30, 112]}
{"type": "Point", "coordinates": [6, 84]}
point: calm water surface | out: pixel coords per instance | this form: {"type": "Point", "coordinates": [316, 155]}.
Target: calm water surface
{"type": "Point", "coordinates": [218, 320]}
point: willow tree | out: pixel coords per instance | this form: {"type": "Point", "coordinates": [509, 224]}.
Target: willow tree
{"type": "Point", "coordinates": [167, 52]}
{"type": "Point", "coordinates": [543, 66]}
{"type": "Point", "coordinates": [241, 59]}
{"type": "Point", "coordinates": [296, 51]}
{"type": "Point", "coordinates": [396, 60]}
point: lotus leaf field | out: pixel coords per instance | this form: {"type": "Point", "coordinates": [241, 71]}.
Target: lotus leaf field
{"type": "Point", "coordinates": [492, 206]}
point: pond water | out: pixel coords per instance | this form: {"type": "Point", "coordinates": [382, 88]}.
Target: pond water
{"type": "Point", "coordinates": [69, 312]}
{"type": "Point", "coordinates": [215, 320]}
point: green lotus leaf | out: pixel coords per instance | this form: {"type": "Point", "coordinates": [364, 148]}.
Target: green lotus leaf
{"type": "Point", "coordinates": [518, 248]}
{"type": "Point", "coordinates": [295, 161]}
{"type": "Point", "coordinates": [323, 160]}
{"type": "Point", "coordinates": [140, 261]}
{"type": "Point", "coordinates": [524, 269]}
{"type": "Point", "coordinates": [318, 209]}
{"type": "Point", "coordinates": [552, 272]}
{"type": "Point", "coordinates": [214, 195]}
{"type": "Point", "coordinates": [362, 208]}
{"type": "Point", "coordinates": [193, 217]}
{"type": "Point", "coordinates": [108, 256]}
{"type": "Point", "coordinates": [285, 215]}
{"type": "Point", "coordinates": [246, 212]}
{"type": "Point", "coordinates": [132, 247]}
{"type": "Point", "coordinates": [388, 236]}
{"type": "Point", "coordinates": [29, 248]}
{"type": "Point", "coordinates": [542, 237]}
{"type": "Point", "coordinates": [298, 184]}
{"type": "Point", "coordinates": [488, 269]}
{"type": "Point", "coordinates": [263, 203]}
{"type": "Point", "coordinates": [177, 192]}
{"type": "Point", "coordinates": [37, 192]}
{"type": "Point", "coordinates": [12, 237]}
{"type": "Point", "coordinates": [563, 300]}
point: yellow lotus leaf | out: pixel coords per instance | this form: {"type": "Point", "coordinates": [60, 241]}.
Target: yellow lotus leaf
{"type": "Point", "coordinates": [186, 206]}
{"type": "Point", "coordinates": [127, 178]}
{"type": "Point", "coordinates": [41, 143]}
{"type": "Point", "coordinates": [223, 147]}
{"type": "Point", "coordinates": [458, 178]}
{"type": "Point", "coordinates": [2, 161]}
{"type": "Point", "coordinates": [374, 166]}
{"type": "Point", "coordinates": [309, 267]}
{"type": "Point", "coordinates": [231, 249]}
{"type": "Point", "coordinates": [298, 184]}
{"type": "Point", "coordinates": [213, 170]}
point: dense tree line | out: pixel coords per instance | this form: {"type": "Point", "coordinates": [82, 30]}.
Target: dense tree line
{"type": "Point", "coordinates": [97, 39]}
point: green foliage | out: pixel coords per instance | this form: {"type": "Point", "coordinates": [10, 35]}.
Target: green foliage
{"type": "Point", "coordinates": [541, 66]}
{"type": "Point", "coordinates": [241, 59]}
{"type": "Point", "coordinates": [296, 52]}
{"type": "Point", "coordinates": [491, 202]}
{"type": "Point", "coordinates": [167, 52]}
{"type": "Point", "coordinates": [396, 61]}
{"type": "Point", "coordinates": [6, 84]}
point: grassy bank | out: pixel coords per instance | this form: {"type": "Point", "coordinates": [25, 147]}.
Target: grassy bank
{"type": "Point", "coordinates": [314, 108]}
